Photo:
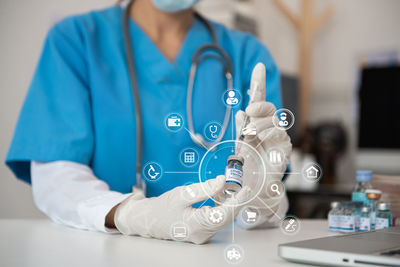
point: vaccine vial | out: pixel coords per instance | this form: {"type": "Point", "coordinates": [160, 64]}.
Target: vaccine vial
{"type": "Point", "coordinates": [383, 216]}
{"type": "Point", "coordinates": [365, 219]}
{"type": "Point", "coordinates": [333, 216]}
{"type": "Point", "coordinates": [356, 208]}
{"type": "Point", "coordinates": [233, 175]}
{"type": "Point", "coordinates": [347, 218]}
{"type": "Point", "coordinates": [373, 197]}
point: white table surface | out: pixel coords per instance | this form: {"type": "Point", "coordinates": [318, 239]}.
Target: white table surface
{"type": "Point", "coordinates": [43, 243]}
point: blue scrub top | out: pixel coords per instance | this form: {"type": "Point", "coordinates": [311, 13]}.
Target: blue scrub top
{"type": "Point", "coordinates": [79, 106]}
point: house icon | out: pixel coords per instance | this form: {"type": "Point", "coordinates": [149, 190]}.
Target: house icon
{"type": "Point", "coordinates": [312, 172]}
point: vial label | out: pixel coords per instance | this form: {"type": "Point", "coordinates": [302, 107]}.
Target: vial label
{"type": "Point", "coordinates": [347, 223]}
{"type": "Point", "coordinates": [333, 222]}
{"type": "Point", "coordinates": [381, 223]}
{"type": "Point", "coordinates": [359, 197]}
{"type": "Point", "coordinates": [234, 175]}
{"type": "Point", "coordinates": [357, 222]}
{"type": "Point", "coordinates": [365, 224]}
{"type": "Point", "coordinates": [373, 218]}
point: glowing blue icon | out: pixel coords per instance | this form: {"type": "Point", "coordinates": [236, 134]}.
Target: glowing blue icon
{"type": "Point", "coordinates": [189, 157]}
{"type": "Point", "coordinates": [212, 130]}
{"type": "Point", "coordinates": [152, 171]}
{"type": "Point", "coordinates": [174, 122]}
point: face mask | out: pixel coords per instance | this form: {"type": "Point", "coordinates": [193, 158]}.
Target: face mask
{"type": "Point", "coordinates": [174, 5]}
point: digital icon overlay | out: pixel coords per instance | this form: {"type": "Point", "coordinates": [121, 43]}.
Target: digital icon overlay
{"type": "Point", "coordinates": [212, 130]}
{"type": "Point", "coordinates": [275, 189]}
{"type": "Point", "coordinates": [152, 171]}
{"type": "Point", "coordinates": [276, 156]}
{"type": "Point", "coordinates": [216, 216]}
{"type": "Point", "coordinates": [234, 254]}
{"type": "Point", "coordinates": [232, 98]}
{"type": "Point", "coordinates": [189, 157]}
{"type": "Point", "coordinates": [174, 122]}
{"type": "Point", "coordinates": [250, 215]}
{"type": "Point", "coordinates": [312, 172]}
{"type": "Point", "coordinates": [250, 130]}
{"type": "Point", "coordinates": [283, 119]}
{"type": "Point", "coordinates": [179, 231]}
{"type": "Point", "coordinates": [290, 225]}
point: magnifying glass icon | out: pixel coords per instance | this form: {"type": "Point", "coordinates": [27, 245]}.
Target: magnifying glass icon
{"type": "Point", "coordinates": [275, 189]}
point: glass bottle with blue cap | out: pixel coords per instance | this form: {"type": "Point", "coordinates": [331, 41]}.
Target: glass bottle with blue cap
{"type": "Point", "coordinates": [363, 178]}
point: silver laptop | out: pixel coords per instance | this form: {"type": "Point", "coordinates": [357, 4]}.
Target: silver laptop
{"type": "Point", "coordinates": [376, 248]}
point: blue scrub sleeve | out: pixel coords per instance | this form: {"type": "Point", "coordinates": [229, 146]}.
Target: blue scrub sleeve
{"type": "Point", "coordinates": [256, 52]}
{"type": "Point", "coordinates": [55, 121]}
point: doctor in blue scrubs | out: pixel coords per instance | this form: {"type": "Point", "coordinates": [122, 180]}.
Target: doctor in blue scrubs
{"type": "Point", "coordinates": [76, 136]}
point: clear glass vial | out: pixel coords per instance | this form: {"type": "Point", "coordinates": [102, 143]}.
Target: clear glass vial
{"type": "Point", "coordinates": [233, 175]}
{"type": "Point", "coordinates": [333, 216]}
{"type": "Point", "coordinates": [356, 208]}
{"type": "Point", "coordinates": [373, 197]}
{"type": "Point", "coordinates": [365, 219]}
{"type": "Point", "coordinates": [347, 218]}
{"type": "Point", "coordinates": [383, 216]}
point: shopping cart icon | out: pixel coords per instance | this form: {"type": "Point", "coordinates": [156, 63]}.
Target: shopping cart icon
{"type": "Point", "coordinates": [251, 216]}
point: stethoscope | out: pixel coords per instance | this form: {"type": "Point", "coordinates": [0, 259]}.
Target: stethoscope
{"type": "Point", "coordinates": [213, 131]}
{"type": "Point", "coordinates": [197, 58]}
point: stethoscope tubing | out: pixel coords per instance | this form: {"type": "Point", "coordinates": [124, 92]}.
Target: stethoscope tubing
{"type": "Point", "coordinates": [197, 138]}
{"type": "Point", "coordinates": [135, 91]}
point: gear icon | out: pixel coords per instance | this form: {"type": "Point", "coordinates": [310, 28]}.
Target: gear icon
{"type": "Point", "coordinates": [216, 216]}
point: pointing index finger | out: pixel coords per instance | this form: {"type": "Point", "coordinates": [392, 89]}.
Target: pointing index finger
{"type": "Point", "coordinates": [257, 84]}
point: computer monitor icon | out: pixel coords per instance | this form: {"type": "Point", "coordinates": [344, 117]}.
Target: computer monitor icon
{"type": "Point", "coordinates": [180, 231]}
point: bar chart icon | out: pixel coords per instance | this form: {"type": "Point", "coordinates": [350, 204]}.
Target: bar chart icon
{"type": "Point", "coordinates": [275, 157]}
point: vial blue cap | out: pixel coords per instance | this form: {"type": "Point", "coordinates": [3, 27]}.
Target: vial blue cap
{"type": "Point", "coordinates": [363, 176]}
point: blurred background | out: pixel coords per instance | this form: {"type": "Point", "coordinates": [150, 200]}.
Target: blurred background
{"type": "Point", "coordinates": [339, 61]}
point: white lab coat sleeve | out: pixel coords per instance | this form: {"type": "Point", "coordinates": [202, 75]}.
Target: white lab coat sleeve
{"type": "Point", "coordinates": [69, 193]}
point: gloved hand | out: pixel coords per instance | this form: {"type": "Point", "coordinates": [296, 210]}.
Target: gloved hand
{"type": "Point", "coordinates": [261, 114]}
{"type": "Point", "coordinates": [155, 217]}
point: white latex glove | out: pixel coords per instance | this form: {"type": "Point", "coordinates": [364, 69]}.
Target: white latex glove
{"type": "Point", "coordinates": [261, 114]}
{"type": "Point", "coordinates": [156, 216]}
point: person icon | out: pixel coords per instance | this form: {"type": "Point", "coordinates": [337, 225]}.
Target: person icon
{"type": "Point", "coordinates": [232, 99]}
{"type": "Point", "coordinates": [283, 120]}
